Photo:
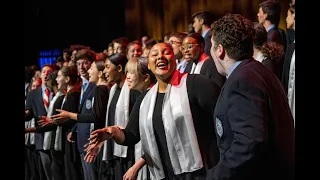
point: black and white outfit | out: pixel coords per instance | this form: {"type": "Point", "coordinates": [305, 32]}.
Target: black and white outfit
{"type": "Point", "coordinates": [176, 128]}
{"type": "Point", "coordinates": [117, 158]}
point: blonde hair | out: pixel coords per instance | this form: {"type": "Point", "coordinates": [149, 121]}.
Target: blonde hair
{"type": "Point", "coordinates": [139, 66]}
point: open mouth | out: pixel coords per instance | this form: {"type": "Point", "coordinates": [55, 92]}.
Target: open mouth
{"type": "Point", "coordinates": [162, 64]}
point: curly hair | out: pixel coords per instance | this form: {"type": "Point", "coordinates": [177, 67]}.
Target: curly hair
{"type": "Point", "coordinates": [272, 50]}
{"type": "Point", "coordinates": [235, 33]}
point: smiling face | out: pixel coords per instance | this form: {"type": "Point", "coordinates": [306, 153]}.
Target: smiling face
{"type": "Point", "coordinates": [134, 51]}
{"type": "Point", "coordinates": [61, 80]}
{"type": "Point", "coordinates": [111, 72]}
{"type": "Point", "coordinates": [93, 73]}
{"type": "Point", "coordinates": [190, 49]}
{"type": "Point", "coordinates": [161, 61]}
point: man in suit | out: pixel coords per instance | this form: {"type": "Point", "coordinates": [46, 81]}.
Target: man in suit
{"type": "Point", "coordinates": [35, 107]}
{"type": "Point", "coordinates": [84, 58]}
{"type": "Point", "coordinates": [201, 24]}
{"type": "Point", "coordinates": [253, 121]}
{"type": "Point", "coordinates": [269, 17]}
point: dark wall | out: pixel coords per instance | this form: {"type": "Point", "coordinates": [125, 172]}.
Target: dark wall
{"type": "Point", "coordinates": [58, 24]}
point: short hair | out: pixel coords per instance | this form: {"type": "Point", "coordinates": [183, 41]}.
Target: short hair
{"type": "Point", "coordinates": [235, 33]}
{"type": "Point", "coordinates": [133, 43]}
{"type": "Point", "coordinates": [123, 41]}
{"type": "Point", "coordinates": [273, 9]}
{"type": "Point", "coordinates": [78, 47]}
{"type": "Point", "coordinates": [206, 16]}
{"type": "Point", "coordinates": [198, 37]}
{"type": "Point", "coordinates": [140, 66]}
{"type": "Point", "coordinates": [150, 42]}
{"type": "Point", "coordinates": [179, 35]}
{"type": "Point", "coordinates": [86, 54]}
{"type": "Point", "coordinates": [261, 35]}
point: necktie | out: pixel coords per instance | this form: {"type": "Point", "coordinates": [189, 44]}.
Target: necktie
{"type": "Point", "coordinates": [84, 85]}
{"type": "Point", "coordinates": [46, 98]}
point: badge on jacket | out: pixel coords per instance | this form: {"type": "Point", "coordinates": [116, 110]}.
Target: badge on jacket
{"type": "Point", "coordinates": [88, 104]}
{"type": "Point", "coordinates": [219, 127]}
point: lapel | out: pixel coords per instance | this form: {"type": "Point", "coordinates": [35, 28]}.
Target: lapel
{"type": "Point", "coordinates": [244, 62]}
{"type": "Point", "coordinates": [85, 94]}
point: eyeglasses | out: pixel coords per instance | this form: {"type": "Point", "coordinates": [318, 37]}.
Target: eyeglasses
{"type": "Point", "coordinates": [188, 47]}
{"type": "Point", "coordinates": [175, 42]}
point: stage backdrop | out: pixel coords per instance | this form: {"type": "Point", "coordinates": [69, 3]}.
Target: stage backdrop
{"type": "Point", "coordinates": [157, 17]}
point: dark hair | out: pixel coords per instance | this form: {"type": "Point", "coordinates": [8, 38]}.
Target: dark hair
{"type": "Point", "coordinates": [260, 36]}
{"type": "Point", "coordinates": [150, 42]}
{"type": "Point", "coordinates": [86, 54]}
{"type": "Point", "coordinates": [52, 76]}
{"type": "Point", "coordinates": [198, 37]}
{"type": "Point", "coordinates": [123, 41]}
{"type": "Point", "coordinates": [292, 9]}
{"type": "Point", "coordinates": [273, 9]}
{"type": "Point", "coordinates": [119, 59]}
{"type": "Point", "coordinates": [78, 47]}
{"type": "Point", "coordinates": [179, 35]}
{"type": "Point", "coordinates": [206, 16]}
{"type": "Point", "coordinates": [70, 71]}
{"type": "Point", "coordinates": [235, 33]}
{"type": "Point", "coordinates": [28, 74]}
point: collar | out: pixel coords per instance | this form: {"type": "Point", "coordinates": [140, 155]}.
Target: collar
{"type": "Point", "coordinates": [205, 33]}
{"type": "Point", "coordinates": [234, 65]}
{"type": "Point", "coordinates": [270, 27]}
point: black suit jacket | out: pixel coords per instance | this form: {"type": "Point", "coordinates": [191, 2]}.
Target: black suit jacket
{"type": "Point", "coordinates": [207, 43]}
{"type": "Point", "coordinates": [276, 35]}
{"type": "Point", "coordinates": [286, 66]}
{"type": "Point", "coordinates": [36, 108]}
{"type": "Point", "coordinates": [254, 127]}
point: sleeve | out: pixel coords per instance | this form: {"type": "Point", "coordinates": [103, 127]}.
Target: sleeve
{"type": "Point", "coordinates": [49, 127]}
{"type": "Point", "coordinates": [131, 132]}
{"type": "Point", "coordinates": [98, 113]}
{"type": "Point", "coordinates": [247, 112]}
{"type": "Point", "coordinates": [74, 128]}
{"type": "Point", "coordinates": [210, 71]}
{"type": "Point", "coordinates": [204, 91]}
{"type": "Point", "coordinates": [29, 107]}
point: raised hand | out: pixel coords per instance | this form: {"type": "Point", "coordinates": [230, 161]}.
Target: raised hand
{"type": "Point", "coordinates": [100, 135]}
{"type": "Point", "coordinates": [63, 115]}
